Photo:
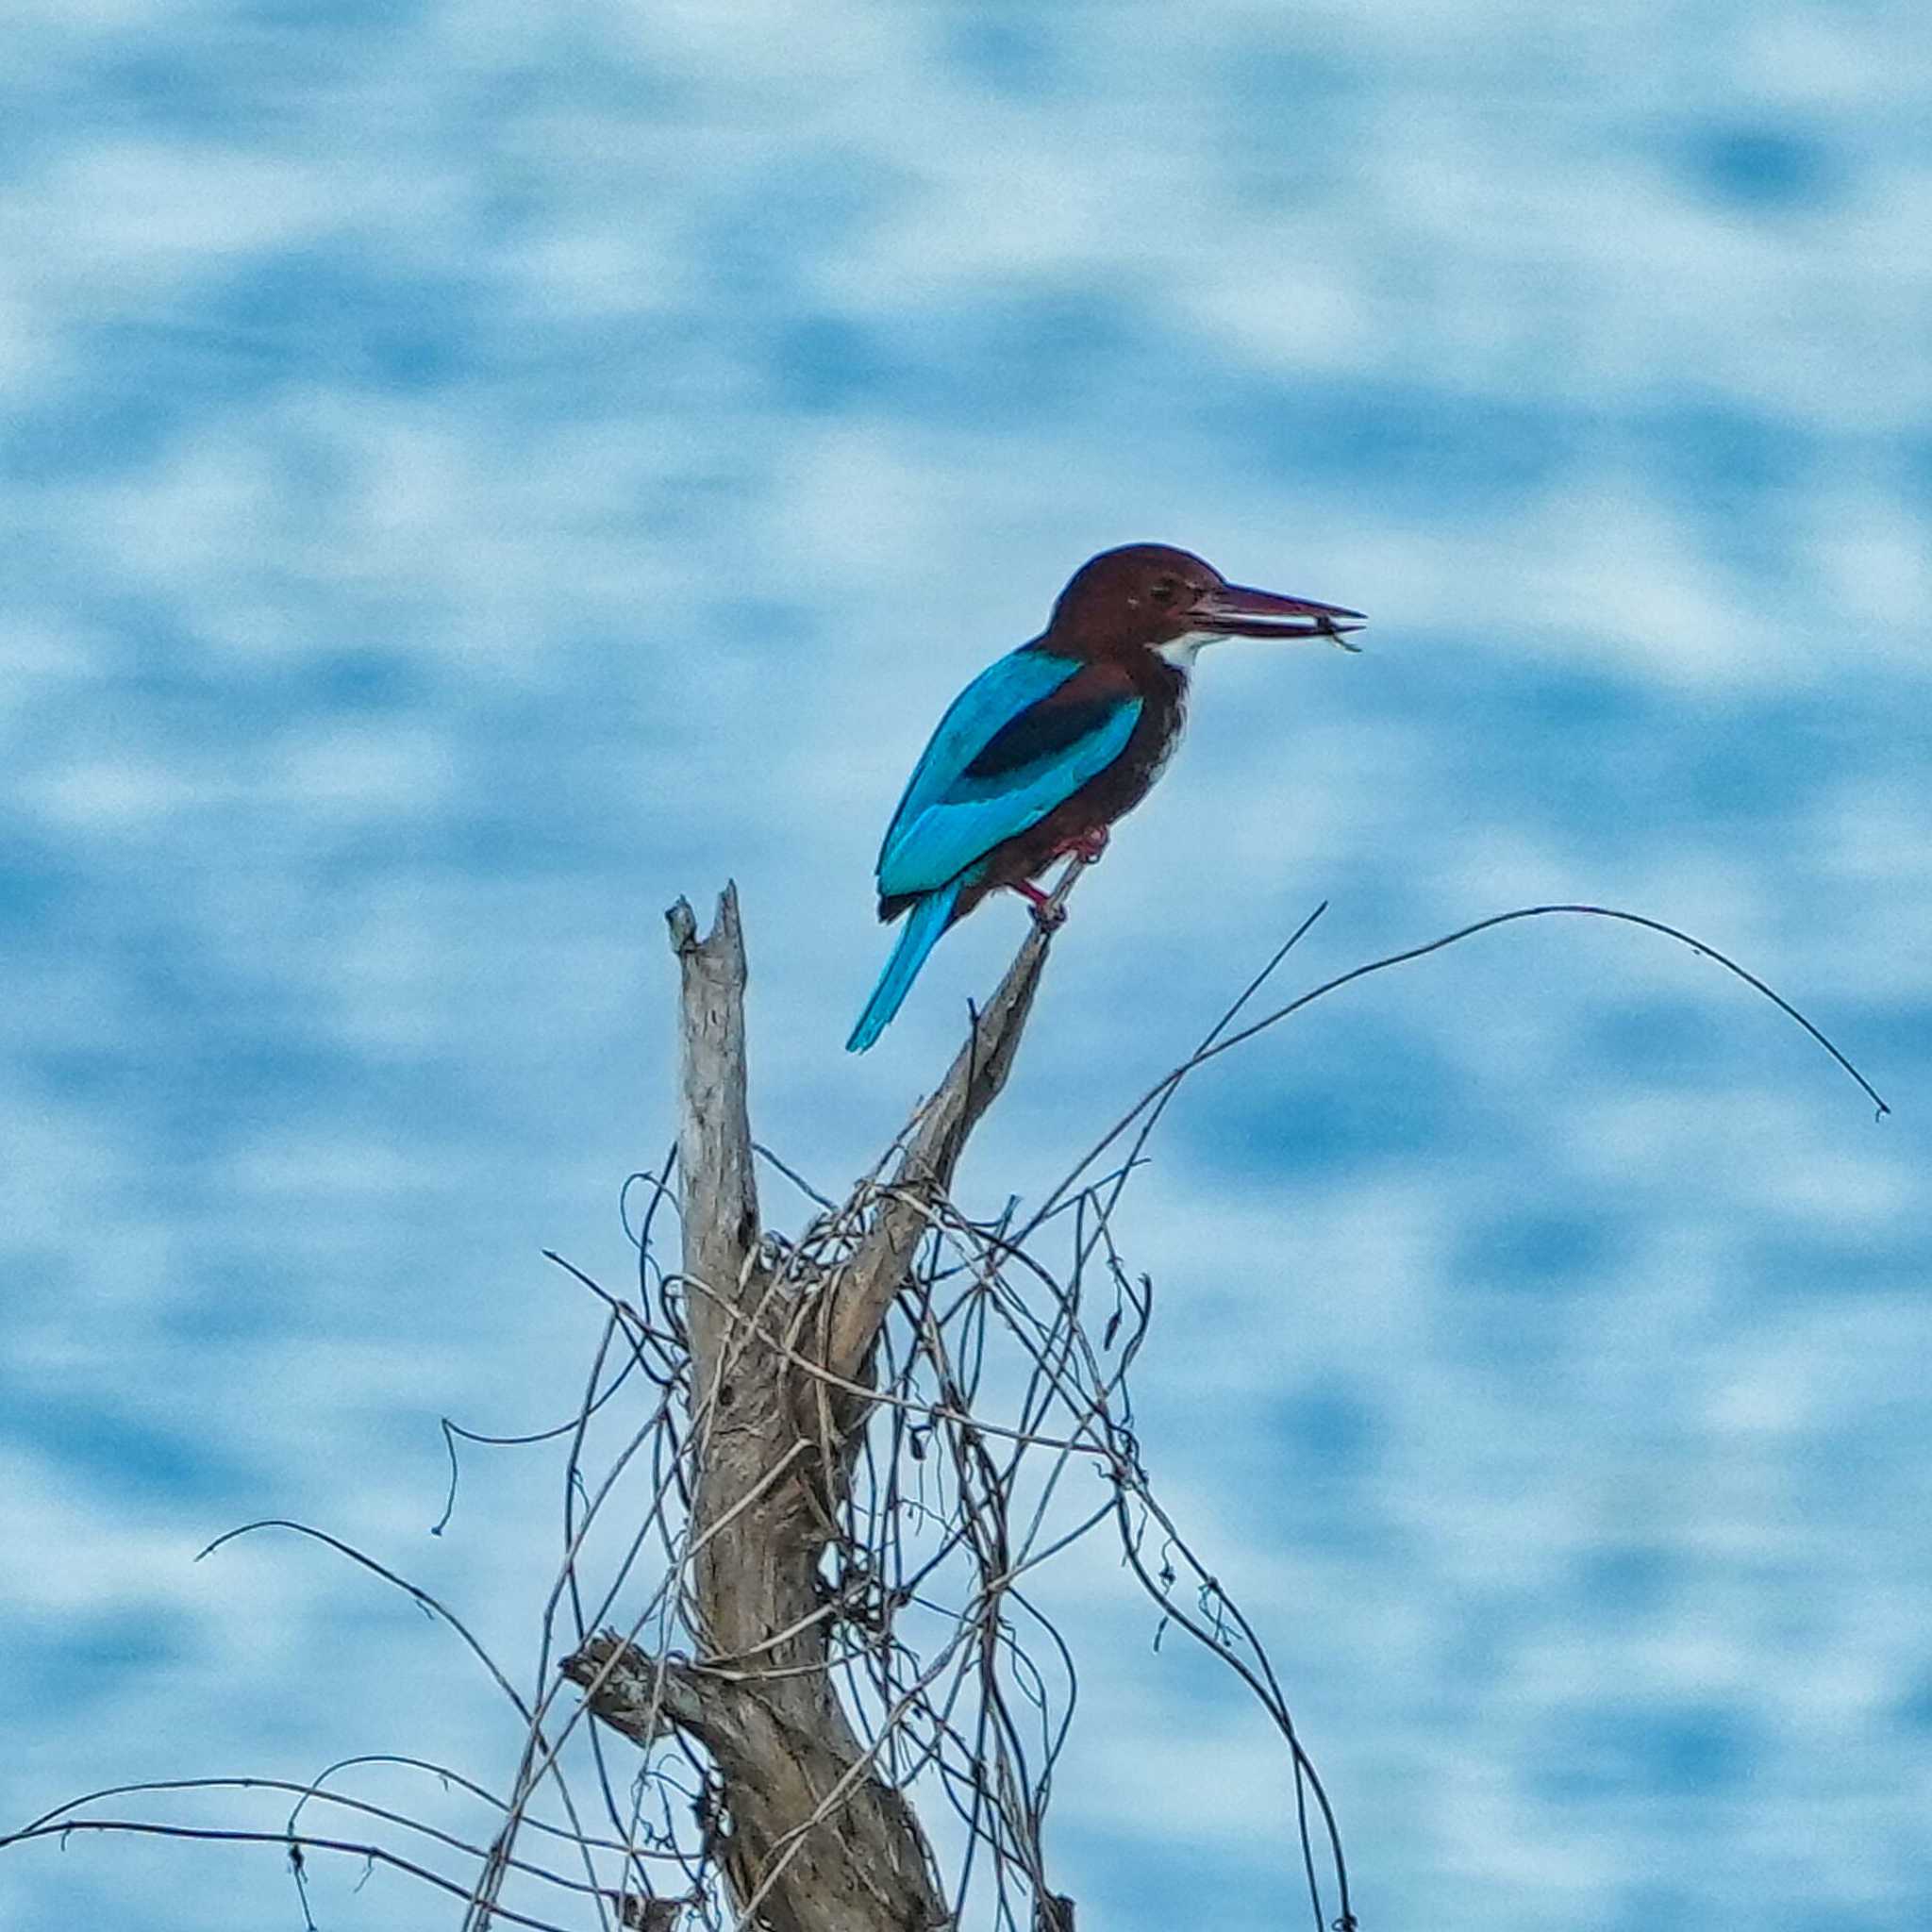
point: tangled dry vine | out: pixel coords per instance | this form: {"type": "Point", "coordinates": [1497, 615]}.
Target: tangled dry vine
{"type": "Point", "coordinates": [869, 1434]}
{"type": "Point", "coordinates": [808, 1497]}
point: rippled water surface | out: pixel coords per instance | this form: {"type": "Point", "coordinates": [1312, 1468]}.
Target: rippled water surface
{"type": "Point", "coordinates": [475, 473]}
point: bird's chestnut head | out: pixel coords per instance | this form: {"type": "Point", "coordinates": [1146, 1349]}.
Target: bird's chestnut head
{"type": "Point", "coordinates": [1153, 598]}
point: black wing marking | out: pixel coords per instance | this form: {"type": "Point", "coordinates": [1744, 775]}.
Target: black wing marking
{"type": "Point", "coordinates": [1040, 734]}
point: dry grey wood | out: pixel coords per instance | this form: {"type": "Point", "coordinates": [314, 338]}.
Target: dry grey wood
{"type": "Point", "coordinates": [781, 1740]}
{"type": "Point", "coordinates": [812, 1839]}
{"type": "Point", "coordinates": [719, 1197]}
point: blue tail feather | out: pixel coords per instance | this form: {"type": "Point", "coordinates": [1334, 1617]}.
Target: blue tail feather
{"type": "Point", "coordinates": [928, 918]}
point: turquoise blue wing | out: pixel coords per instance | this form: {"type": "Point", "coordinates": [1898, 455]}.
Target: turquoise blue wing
{"type": "Point", "coordinates": [993, 699]}
{"type": "Point", "coordinates": [1004, 755]}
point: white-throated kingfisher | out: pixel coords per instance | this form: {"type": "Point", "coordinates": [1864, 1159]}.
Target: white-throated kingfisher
{"type": "Point", "coordinates": [1049, 745]}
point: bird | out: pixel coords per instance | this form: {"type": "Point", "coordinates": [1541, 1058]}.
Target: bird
{"type": "Point", "coordinates": [1052, 744]}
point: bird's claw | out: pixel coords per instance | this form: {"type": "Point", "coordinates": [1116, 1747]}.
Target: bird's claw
{"type": "Point", "coordinates": [1086, 846]}
{"type": "Point", "coordinates": [1046, 915]}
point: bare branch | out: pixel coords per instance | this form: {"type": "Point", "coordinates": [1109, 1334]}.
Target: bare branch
{"type": "Point", "coordinates": [719, 1190]}
{"type": "Point", "coordinates": [854, 1451]}
{"type": "Point", "coordinates": [936, 1136]}
{"type": "Point", "coordinates": [816, 1840]}
{"type": "Point", "coordinates": [841, 1618]}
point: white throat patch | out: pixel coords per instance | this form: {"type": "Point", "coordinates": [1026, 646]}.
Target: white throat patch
{"type": "Point", "coordinates": [1182, 651]}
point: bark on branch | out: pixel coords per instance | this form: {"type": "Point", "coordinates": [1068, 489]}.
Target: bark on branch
{"type": "Point", "coordinates": [719, 1189]}
{"type": "Point", "coordinates": [812, 1838]}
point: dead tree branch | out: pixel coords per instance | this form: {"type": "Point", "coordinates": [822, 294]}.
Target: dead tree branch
{"type": "Point", "coordinates": [815, 1839]}
{"type": "Point", "coordinates": [807, 1491]}
{"type": "Point", "coordinates": [933, 1142]}
{"type": "Point", "coordinates": [761, 1519]}
{"type": "Point", "coordinates": [838, 1465]}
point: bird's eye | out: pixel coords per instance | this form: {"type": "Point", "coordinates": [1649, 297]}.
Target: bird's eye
{"type": "Point", "coordinates": [1166, 590]}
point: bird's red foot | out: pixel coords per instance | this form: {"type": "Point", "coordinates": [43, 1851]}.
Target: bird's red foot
{"type": "Point", "coordinates": [1046, 915]}
{"type": "Point", "coordinates": [1088, 847]}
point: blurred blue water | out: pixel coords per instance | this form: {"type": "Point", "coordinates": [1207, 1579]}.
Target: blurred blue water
{"type": "Point", "coordinates": [473, 477]}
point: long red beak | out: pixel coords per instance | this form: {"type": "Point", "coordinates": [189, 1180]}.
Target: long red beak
{"type": "Point", "coordinates": [1234, 610]}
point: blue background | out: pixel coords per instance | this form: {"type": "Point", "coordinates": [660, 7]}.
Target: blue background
{"type": "Point", "coordinates": [475, 471]}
